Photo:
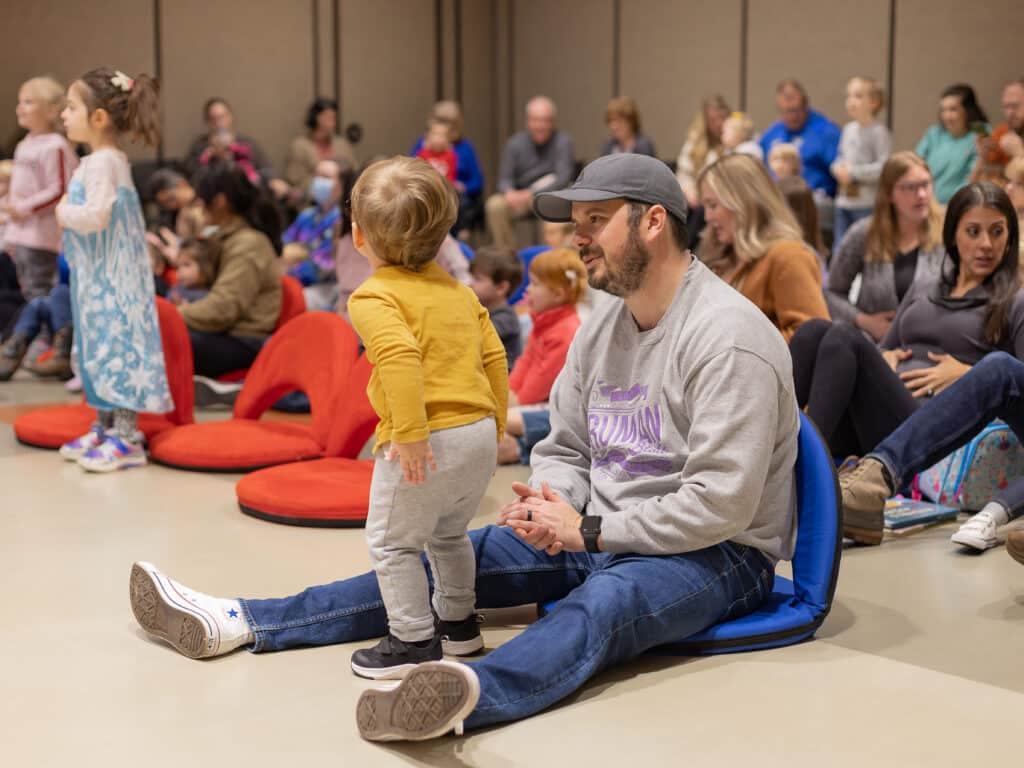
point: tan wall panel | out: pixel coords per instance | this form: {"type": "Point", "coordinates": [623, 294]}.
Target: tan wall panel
{"type": "Point", "coordinates": [563, 49]}
{"type": "Point", "coordinates": [326, 59]}
{"type": "Point", "coordinates": [478, 93]}
{"type": "Point", "coordinates": [820, 43]}
{"type": "Point", "coordinates": [39, 38]}
{"type": "Point", "coordinates": [257, 54]}
{"type": "Point", "coordinates": [669, 66]}
{"type": "Point", "coordinates": [387, 71]}
{"type": "Point", "coordinates": [938, 43]}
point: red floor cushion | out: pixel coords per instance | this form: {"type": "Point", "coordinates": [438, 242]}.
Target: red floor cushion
{"type": "Point", "coordinates": [55, 425]}
{"type": "Point", "coordinates": [235, 445]}
{"type": "Point", "coordinates": [326, 493]}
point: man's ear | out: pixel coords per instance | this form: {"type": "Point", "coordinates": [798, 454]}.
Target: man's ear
{"type": "Point", "coordinates": [656, 222]}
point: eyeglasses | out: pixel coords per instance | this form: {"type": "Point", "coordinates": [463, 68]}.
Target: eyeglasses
{"type": "Point", "coordinates": [920, 186]}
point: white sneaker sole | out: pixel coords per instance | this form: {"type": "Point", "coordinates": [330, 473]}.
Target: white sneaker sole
{"type": "Point", "coordinates": [462, 647]}
{"type": "Point", "coordinates": [384, 673]}
{"type": "Point", "coordinates": [210, 392]}
{"type": "Point", "coordinates": [434, 698]}
{"type": "Point", "coordinates": [162, 612]}
{"type": "Point", "coordinates": [967, 539]}
{"type": "Point", "coordinates": [112, 465]}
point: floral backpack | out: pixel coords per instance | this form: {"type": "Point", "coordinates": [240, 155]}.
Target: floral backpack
{"type": "Point", "coordinates": [970, 476]}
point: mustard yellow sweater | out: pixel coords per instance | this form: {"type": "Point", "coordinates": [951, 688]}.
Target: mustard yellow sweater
{"type": "Point", "coordinates": [438, 362]}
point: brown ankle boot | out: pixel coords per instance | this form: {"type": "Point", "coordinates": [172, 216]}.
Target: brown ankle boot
{"type": "Point", "coordinates": [59, 364]}
{"type": "Point", "coordinates": [865, 486]}
{"type": "Point", "coordinates": [11, 354]}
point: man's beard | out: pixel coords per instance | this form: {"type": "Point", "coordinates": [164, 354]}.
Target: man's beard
{"type": "Point", "coordinates": [627, 278]}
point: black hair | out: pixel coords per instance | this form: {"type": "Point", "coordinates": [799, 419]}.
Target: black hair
{"type": "Point", "coordinates": [679, 232]}
{"type": "Point", "coordinates": [347, 177]}
{"type": "Point", "coordinates": [163, 180]}
{"type": "Point", "coordinates": [253, 203]}
{"type": "Point", "coordinates": [969, 101]}
{"type": "Point", "coordinates": [498, 263]}
{"type": "Point", "coordinates": [1002, 284]}
{"type": "Point", "coordinates": [319, 105]}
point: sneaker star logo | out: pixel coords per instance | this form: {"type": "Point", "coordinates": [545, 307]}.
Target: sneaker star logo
{"type": "Point", "coordinates": [233, 613]}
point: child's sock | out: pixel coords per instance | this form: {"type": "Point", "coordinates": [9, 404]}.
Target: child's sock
{"type": "Point", "coordinates": [125, 425]}
{"type": "Point", "coordinates": [105, 419]}
{"type": "Point", "coordinates": [997, 512]}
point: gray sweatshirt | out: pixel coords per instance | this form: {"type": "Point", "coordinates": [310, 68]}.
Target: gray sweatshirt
{"type": "Point", "coordinates": [524, 163]}
{"type": "Point", "coordinates": [878, 280]}
{"type": "Point", "coordinates": [865, 148]}
{"type": "Point", "coordinates": [680, 437]}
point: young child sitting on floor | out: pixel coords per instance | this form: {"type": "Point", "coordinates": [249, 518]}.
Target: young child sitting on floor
{"type": "Point", "coordinates": [557, 283]}
{"type": "Point", "coordinates": [738, 136]}
{"type": "Point", "coordinates": [195, 273]}
{"type": "Point", "coordinates": [440, 387]}
{"type": "Point", "coordinates": [50, 313]}
{"type": "Point", "coordinates": [496, 272]}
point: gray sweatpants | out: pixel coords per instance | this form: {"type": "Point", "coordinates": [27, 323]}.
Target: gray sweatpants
{"type": "Point", "coordinates": [37, 270]}
{"type": "Point", "coordinates": [405, 519]}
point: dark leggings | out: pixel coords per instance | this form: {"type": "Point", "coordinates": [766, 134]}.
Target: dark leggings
{"type": "Point", "coordinates": [214, 354]}
{"type": "Point", "coordinates": [850, 392]}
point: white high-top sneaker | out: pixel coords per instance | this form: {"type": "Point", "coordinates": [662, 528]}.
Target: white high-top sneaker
{"type": "Point", "coordinates": [196, 625]}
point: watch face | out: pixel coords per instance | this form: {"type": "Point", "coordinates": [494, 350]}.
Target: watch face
{"type": "Point", "coordinates": [591, 524]}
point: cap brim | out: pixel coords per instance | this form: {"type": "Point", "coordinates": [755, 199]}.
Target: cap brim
{"type": "Point", "coordinates": [557, 206]}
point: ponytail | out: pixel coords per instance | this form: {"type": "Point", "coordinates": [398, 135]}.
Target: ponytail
{"type": "Point", "coordinates": [132, 103]}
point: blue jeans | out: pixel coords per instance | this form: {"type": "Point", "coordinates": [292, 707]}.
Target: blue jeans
{"type": "Point", "coordinates": [992, 389]}
{"type": "Point", "coordinates": [52, 312]}
{"type": "Point", "coordinates": [846, 218]}
{"type": "Point", "coordinates": [613, 608]}
{"type": "Point", "coordinates": [536, 426]}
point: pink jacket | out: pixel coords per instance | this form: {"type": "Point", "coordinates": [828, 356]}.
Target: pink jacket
{"type": "Point", "coordinates": [43, 165]}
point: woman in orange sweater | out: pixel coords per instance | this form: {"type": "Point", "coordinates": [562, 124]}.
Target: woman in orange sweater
{"type": "Point", "coordinates": [753, 243]}
{"type": "Point", "coordinates": [557, 282]}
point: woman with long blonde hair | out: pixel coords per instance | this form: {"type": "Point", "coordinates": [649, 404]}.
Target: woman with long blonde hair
{"type": "Point", "coordinates": [703, 145]}
{"type": "Point", "coordinates": [898, 245]}
{"type": "Point", "coordinates": [753, 242]}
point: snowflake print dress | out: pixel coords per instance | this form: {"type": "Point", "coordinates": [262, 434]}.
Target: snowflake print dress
{"type": "Point", "coordinates": [117, 335]}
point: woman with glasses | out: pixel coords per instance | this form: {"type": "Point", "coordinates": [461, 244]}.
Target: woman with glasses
{"type": "Point", "coordinates": [899, 245]}
{"type": "Point", "coordinates": [858, 393]}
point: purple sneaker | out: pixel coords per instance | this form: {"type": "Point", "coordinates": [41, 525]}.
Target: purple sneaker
{"type": "Point", "coordinates": [80, 446]}
{"type": "Point", "coordinates": [112, 454]}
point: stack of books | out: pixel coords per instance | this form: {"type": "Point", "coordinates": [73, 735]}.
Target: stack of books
{"type": "Point", "coordinates": [908, 515]}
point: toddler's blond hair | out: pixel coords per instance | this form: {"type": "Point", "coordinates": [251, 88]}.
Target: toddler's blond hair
{"type": "Point", "coordinates": [404, 208]}
{"type": "Point", "coordinates": [47, 90]}
{"type": "Point", "coordinates": [789, 154]}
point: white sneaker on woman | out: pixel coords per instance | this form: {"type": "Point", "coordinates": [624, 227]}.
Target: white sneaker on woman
{"type": "Point", "coordinates": [979, 532]}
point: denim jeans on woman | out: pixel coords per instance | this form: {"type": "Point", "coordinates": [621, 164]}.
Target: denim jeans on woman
{"type": "Point", "coordinates": [613, 608]}
{"type": "Point", "coordinates": [992, 389]}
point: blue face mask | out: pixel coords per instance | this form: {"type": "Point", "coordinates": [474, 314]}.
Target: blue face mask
{"type": "Point", "coordinates": [321, 189]}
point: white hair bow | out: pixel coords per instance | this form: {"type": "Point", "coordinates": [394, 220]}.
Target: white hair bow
{"type": "Point", "coordinates": [122, 81]}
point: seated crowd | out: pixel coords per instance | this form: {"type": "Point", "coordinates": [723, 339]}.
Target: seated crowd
{"type": "Point", "coordinates": [811, 266]}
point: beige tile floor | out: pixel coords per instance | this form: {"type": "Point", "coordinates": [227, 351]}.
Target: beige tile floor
{"type": "Point", "coordinates": [918, 664]}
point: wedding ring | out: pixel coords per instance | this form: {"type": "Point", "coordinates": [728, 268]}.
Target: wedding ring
{"type": "Point", "coordinates": [529, 515]}
{"type": "Point", "coordinates": [929, 392]}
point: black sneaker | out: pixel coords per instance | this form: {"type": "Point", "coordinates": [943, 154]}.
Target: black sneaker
{"type": "Point", "coordinates": [210, 393]}
{"type": "Point", "coordinates": [391, 659]}
{"type": "Point", "coordinates": [460, 638]}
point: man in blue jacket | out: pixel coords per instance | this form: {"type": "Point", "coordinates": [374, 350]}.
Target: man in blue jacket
{"type": "Point", "coordinates": [814, 135]}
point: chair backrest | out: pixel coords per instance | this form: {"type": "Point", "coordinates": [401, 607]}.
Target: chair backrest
{"type": "Point", "coordinates": [356, 420]}
{"type": "Point", "coordinates": [177, 360]}
{"type": "Point", "coordinates": [313, 353]}
{"type": "Point", "coordinates": [293, 300]}
{"type": "Point", "coordinates": [819, 538]}
{"type": "Point", "coordinates": [467, 251]}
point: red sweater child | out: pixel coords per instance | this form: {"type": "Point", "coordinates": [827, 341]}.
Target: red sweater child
{"type": "Point", "coordinates": [535, 371]}
{"type": "Point", "coordinates": [444, 162]}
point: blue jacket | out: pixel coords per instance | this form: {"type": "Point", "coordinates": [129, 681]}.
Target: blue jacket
{"type": "Point", "coordinates": [818, 143]}
{"type": "Point", "coordinates": [468, 167]}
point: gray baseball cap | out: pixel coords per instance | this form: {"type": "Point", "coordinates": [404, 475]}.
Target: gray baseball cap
{"type": "Point", "coordinates": [633, 177]}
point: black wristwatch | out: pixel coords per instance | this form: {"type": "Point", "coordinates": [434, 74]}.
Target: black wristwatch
{"type": "Point", "coordinates": [590, 527]}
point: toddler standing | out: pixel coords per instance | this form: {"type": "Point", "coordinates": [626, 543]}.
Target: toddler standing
{"type": "Point", "coordinates": [437, 148]}
{"type": "Point", "coordinates": [121, 361]}
{"type": "Point", "coordinates": [863, 149]}
{"type": "Point", "coordinates": [440, 387]}
{"type": "Point", "coordinates": [43, 163]}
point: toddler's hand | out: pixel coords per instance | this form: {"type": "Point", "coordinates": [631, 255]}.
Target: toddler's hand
{"type": "Point", "coordinates": [415, 457]}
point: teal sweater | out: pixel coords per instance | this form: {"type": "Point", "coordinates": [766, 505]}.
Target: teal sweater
{"type": "Point", "coordinates": [950, 159]}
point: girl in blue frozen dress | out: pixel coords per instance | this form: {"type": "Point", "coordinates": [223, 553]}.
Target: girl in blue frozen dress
{"type": "Point", "coordinates": [117, 336]}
